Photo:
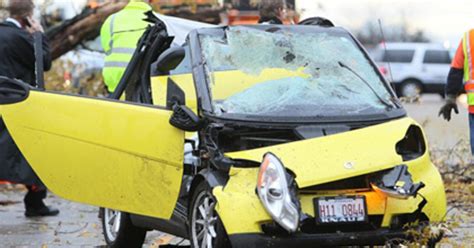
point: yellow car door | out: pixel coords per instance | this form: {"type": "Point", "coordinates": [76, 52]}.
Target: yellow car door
{"type": "Point", "coordinates": [112, 154]}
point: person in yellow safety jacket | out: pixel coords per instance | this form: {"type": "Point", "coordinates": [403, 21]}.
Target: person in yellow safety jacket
{"type": "Point", "coordinates": [119, 37]}
{"type": "Point", "coordinates": [461, 70]}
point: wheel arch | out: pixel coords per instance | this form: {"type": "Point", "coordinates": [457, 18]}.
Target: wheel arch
{"type": "Point", "coordinates": [412, 79]}
{"type": "Point", "coordinates": [213, 178]}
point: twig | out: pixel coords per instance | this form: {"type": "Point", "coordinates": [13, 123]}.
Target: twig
{"type": "Point", "coordinates": [56, 232]}
{"type": "Point", "coordinates": [454, 147]}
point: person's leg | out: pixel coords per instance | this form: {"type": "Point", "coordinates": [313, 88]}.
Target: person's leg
{"type": "Point", "coordinates": [34, 205]}
{"type": "Point", "coordinates": [34, 197]}
{"type": "Point", "coordinates": [471, 132]}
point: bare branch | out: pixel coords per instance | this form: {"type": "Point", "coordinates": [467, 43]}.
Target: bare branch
{"type": "Point", "coordinates": [86, 25]}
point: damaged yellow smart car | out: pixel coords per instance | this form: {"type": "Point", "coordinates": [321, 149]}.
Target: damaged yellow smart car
{"type": "Point", "coordinates": [245, 136]}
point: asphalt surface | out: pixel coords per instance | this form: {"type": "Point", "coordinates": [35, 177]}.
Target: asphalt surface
{"type": "Point", "coordinates": [441, 134]}
{"type": "Point", "coordinates": [78, 225]}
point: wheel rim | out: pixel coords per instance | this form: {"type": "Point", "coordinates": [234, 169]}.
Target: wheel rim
{"type": "Point", "coordinates": [203, 221]}
{"type": "Point", "coordinates": [411, 90]}
{"type": "Point", "coordinates": [112, 223]}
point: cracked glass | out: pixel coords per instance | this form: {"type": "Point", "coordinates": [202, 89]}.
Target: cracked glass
{"type": "Point", "coordinates": [290, 73]}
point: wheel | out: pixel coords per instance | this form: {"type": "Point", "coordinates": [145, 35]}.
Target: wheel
{"type": "Point", "coordinates": [205, 227]}
{"type": "Point", "coordinates": [119, 230]}
{"type": "Point", "coordinates": [411, 89]}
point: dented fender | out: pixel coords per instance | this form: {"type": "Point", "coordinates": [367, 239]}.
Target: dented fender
{"type": "Point", "coordinates": [334, 157]}
{"type": "Point", "coordinates": [325, 159]}
{"type": "Point", "coordinates": [239, 196]}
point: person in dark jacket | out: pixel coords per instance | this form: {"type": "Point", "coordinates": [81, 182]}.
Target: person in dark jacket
{"type": "Point", "coordinates": [272, 11]}
{"type": "Point", "coordinates": [17, 61]}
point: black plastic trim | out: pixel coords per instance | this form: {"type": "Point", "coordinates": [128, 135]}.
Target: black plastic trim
{"type": "Point", "coordinates": [257, 240]}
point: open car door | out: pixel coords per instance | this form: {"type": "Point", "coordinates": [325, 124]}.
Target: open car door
{"type": "Point", "coordinates": [103, 152]}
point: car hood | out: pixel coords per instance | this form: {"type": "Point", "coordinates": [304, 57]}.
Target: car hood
{"type": "Point", "coordinates": [334, 157]}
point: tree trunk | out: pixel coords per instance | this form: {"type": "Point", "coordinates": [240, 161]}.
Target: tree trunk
{"type": "Point", "coordinates": [84, 26]}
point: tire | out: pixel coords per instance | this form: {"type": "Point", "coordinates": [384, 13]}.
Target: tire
{"type": "Point", "coordinates": [411, 89]}
{"type": "Point", "coordinates": [119, 231]}
{"type": "Point", "coordinates": [203, 201]}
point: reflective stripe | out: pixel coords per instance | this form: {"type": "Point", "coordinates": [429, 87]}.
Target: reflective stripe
{"type": "Point", "coordinates": [111, 31]}
{"type": "Point", "coordinates": [469, 87]}
{"type": "Point", "coordinates": [115, 64]}
{"type": "Point", "coordinates": [131, 30]}
{"type": "Point", "coordinates": [468, 69]}
{"type": "Point", "coordinates": [469, 54]}
{"type": "Point", "coordinates": [124, 50]}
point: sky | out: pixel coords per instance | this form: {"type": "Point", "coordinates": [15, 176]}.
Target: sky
{"type": "Point", "coordinates": [71, 7]}
{"type": "Point", "coordinates": [442, 20]}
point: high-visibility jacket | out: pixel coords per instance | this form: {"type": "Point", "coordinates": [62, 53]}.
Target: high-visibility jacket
{"type": "Point", "coordinates": [468, 50]}
{"type": "Point", "coordinates": [119, 37]}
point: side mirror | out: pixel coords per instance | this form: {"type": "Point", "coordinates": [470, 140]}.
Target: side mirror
{"type": "Point", "coordinates": [12, 91]}
{"type": "Point", "coordinates": [185, 119]}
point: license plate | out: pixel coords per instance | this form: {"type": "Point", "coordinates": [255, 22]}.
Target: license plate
{"type": "Point", "coordinates": [345, 209]}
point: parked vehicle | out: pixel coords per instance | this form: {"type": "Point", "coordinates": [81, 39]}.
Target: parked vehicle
{"type": "Point", "coordinates": [415, 68]}
{"type": "Point", "coordinates": [246, 136]}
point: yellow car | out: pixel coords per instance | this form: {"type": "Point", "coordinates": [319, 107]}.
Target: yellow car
{"type": "Point", "coordinates": [245, 136]}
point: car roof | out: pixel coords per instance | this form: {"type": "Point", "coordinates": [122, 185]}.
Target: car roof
{"type": "Point", "coordinates": [411, 45]}
{"type": "Point", "coordinates": [212, 30]}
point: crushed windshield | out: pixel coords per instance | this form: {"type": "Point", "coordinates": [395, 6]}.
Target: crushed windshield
{"type": "Point", "coordinates": [288, 73]}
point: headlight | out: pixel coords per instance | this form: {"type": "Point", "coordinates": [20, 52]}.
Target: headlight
{"type": "Point", "coordinates": [273, 190]}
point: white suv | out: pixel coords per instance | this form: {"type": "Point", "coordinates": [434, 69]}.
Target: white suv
{"type": "Point", "coordinates": [416, 67]}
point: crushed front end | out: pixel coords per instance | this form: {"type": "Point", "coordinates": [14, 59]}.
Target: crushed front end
{"type": "Point", "coordinates": [341, 190]}
{"type": "Point", "coordinates": [306, 128]}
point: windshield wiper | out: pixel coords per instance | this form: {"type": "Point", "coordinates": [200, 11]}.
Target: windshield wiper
{"type": "Point", "coordinates": [381, 99]}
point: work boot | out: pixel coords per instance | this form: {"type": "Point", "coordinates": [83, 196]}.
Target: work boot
{"type": "Point", "coordinates": [43, 211]}
{"type": "Point", "coordinates": [34, 204]}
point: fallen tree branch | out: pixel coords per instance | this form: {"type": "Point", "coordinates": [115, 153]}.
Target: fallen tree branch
{"type": "Point", "coordinates": [85, 26]}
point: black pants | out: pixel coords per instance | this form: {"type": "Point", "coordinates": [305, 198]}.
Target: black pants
{"type": "Point", "coordinates": [34, 198]}
{"type": "Point", "coordinates": [13, 166]}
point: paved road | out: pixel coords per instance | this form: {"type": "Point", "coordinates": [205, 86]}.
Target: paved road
{"type": "Point", "coordinates": [78, 225]}
{"type": "Point", "coordinates": [440, 134]}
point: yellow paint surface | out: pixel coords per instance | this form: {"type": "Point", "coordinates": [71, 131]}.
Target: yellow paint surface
{"type": "Point", "coordinates": [323, 159]}
{"type": "Point", "coordinates": [104, 153]}
{"type": "Point", "coordinates": [159, 87]}
{"type": "Point", "coordinates": [229, 83]}
{"type": "Point", "coordinates": [238, 204]}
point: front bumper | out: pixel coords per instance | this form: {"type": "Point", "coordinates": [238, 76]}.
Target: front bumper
{"type": "Point", "coordinates": [257, 240]}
